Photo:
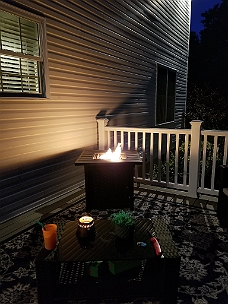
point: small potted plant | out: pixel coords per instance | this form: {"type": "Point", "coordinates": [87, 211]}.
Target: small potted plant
{"type": "Point", "coordinates": [124, 223]}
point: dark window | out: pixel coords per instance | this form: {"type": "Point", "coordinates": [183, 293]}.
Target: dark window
{"type": "Point", "coordinates": [166, 89]}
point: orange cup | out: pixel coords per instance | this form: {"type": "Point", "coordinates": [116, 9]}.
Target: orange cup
{"type": "Point", "coordinates": [50, 236]}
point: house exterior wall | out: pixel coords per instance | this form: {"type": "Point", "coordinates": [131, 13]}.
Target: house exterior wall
{"type": "Point", "coordinates": [102, 59]}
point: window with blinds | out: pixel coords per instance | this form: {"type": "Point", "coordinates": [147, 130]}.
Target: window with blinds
{"type": "Point", "coordinates": [21, 56]}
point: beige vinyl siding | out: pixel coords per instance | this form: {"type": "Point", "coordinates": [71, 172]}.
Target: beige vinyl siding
{"type": "Point", "coordinates": [102, 56]}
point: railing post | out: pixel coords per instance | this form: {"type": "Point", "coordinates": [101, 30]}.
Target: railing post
{"type": "Point", "coordinates": [194, 158]}
{"type": "Point", "coordinates": [101, 123]}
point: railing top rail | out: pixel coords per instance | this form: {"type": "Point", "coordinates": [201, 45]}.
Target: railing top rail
{"type": "Point", "coordinates": [214, 132]}
{"type": "Point", "coordinates": [148, 130]}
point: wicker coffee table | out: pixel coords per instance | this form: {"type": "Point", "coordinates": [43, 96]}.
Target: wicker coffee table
{"type": "Point", "coordinates": [109, 266]}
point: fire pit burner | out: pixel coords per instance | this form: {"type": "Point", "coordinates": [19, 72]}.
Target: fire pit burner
{"type": "Point", "coordinates": [109, 183]}
{"type": "Point", "coordinates": [100, 156]}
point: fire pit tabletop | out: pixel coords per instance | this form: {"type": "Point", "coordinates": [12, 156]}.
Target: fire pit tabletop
{"type": "Point", "coordinates": [87, 157]}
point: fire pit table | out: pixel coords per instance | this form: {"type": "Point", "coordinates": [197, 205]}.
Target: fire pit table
{"type": "Point", "coordinates": [109, 183]}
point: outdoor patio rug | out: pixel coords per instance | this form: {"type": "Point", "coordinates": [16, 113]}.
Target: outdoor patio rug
{"type": "Point", "coordinates": [202, 244]}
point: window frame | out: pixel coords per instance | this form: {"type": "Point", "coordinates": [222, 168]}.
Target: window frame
{"type": "Point", "coordinates": [44, 71]}
{"type": "Point", "coordinates": [167, 70]}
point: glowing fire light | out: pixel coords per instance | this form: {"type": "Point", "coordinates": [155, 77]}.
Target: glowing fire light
{"type": "Point", "coordinates": [111, 155]}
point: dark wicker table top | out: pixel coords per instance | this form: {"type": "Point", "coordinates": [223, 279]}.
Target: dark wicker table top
{"type": "Point", "coordinates": [106, 247]}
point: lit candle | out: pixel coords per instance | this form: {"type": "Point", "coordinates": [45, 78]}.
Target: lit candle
{"type": "Point", "coordinates": [86, 219]}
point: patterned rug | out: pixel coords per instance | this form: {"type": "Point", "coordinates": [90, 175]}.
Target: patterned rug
{"type": "Point", "coordinates": [202, 244]}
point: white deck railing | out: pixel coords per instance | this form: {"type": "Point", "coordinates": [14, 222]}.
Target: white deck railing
{"type": "Point", "coordinates": [183, 159]}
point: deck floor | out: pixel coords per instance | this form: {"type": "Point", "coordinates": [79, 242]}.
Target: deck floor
{"type": "Point", "coordinates": [17, 225]}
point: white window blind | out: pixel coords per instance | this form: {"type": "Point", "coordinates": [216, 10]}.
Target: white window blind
{"type": "Point", "coordinates": [21, 62]}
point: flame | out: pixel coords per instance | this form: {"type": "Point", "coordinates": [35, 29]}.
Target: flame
{"type": "Point", "coordinates": [112, 155]}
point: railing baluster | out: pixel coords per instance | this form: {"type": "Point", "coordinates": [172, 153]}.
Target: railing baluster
{"type": "Point", "coordinates": [167, 157]}
{"type": "Point", "coordinates": [137, 140]}
{"type": "Point", "coordinates": [214, 162]}
{"type": "Point", "coordinates": [151, 155]}
{"type": "Point", "coordinates": [225, 151]}
{"type": "Point", "coordinates": [176, 159]}
{"type": "Point", "coordinates": [144, 155]}
{"type": "Point", "coordinates": [159, 155]}
{"type": "Point", "coordinates": [136, 148]}
{"type": "Point", "coordinates": [129, 140]}
{"type": "Point", "coordinates": [203, 162]}
{"type": "Point", "coordinates": [109, 138]}
{"type": "Point", "coordinates": [115, 138]}
{"type": "Point", "coordinates": [185, 159]}
{"type": "Point", "coordinates": [122, 139]}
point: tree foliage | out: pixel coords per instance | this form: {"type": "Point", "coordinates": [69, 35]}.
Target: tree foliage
{"type": "Point", "coordinates": [207, 104]}
{"type": "Point", "coordinates": [208, 70]}
{"type": "Point", "coordinates": [214, 45]}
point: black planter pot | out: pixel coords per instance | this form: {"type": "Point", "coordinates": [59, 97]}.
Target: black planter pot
{"type": "Point", "coordinates": [124, 232]}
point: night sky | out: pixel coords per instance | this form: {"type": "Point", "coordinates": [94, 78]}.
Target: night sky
{"type": "Point", "coordinates": [199, 7]}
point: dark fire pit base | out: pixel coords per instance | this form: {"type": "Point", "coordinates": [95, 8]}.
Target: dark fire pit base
{"type": "Point", "coordinates": [109, 184]}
